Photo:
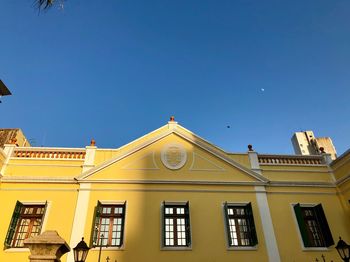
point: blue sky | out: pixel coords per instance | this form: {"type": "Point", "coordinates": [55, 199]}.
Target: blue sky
{"type": "Point", "coordinates": [116, 70]}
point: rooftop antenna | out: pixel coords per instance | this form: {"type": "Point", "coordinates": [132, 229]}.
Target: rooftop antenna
{"type": "Point", "coordinates": [4, 91]}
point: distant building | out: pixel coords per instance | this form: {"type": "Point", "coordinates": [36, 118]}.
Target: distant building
{"type": "Point", "coordinates": [13, 136]}
{"type": "Point", "coordinates": [305, 143]}
{"type": "Point", "coordinates": [173, 196]}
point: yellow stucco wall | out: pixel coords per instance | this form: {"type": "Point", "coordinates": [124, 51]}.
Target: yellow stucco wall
{"type": "Point", "coordinates": [43, 168]}
{"type": "Point", "coordinates": [61, 200]}
{"type": "Point", "coordinates": [143, 222]}
{"type": "Point", "coordinates": [341, 166]}
{"type": "Point", "coordinates": [286, 229]}
{"type": "Point", "coordinates": [2, 158]}
{"type": "Point", "coordinates": [136, 174]}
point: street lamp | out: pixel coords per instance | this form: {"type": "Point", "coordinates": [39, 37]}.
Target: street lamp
{"type": "Point", "coordinates": [81, 251]}
{"type": "Point", "coordinates": [343, 250]}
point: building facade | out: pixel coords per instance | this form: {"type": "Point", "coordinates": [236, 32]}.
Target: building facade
{"type": "Point", "coordinates": [305, 143]}
{"type": "Point", "coordinates": [173, 196]}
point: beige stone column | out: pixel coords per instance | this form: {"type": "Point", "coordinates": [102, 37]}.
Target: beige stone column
{"type": "Point", "coordinates": [47, 247]}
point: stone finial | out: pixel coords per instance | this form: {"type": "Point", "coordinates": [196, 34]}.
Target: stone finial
{"type": "Point", "coordinates": [172, 119]}
{"type": "Point", "coordinates": [92, 142]}
{"type": "Point", "coordinates": [322, 150]}
{"type": "Point", "coordinates": [250, 148]}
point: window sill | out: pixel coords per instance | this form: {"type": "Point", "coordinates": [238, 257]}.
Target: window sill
{"type": "Point", "coordinates": [108, 248]}
{"type": "Point", "coordinates": [176, 248]}
{"type": "Point", "coordinates": [242, 248]}
{"type": "Point", "coordinates": [17, 249]}
{"type": "Point", "coordinates": [306, 249]}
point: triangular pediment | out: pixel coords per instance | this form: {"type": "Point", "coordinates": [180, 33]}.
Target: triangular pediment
{"type": "Point", "coordinates": [171, 153]}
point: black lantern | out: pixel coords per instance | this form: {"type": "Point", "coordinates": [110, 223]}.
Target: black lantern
{"type": "Point", "coordinates": [343, 250]}
{"type": "Point", "coordinates": [81, 251]}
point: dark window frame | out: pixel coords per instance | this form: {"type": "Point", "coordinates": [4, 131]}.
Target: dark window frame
{"type": "Point", "coordinates": [313, 226]}
{"type": "Point", "coordinates": [250, 236]}
{"type": "Point", "coordinates": [112, 227]}
{"type": "Point", "coordinates": [15, 235]}
{"type": "Point", "coordinates": [184, 228]}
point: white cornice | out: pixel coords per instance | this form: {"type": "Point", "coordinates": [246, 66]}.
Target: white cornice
{"type": "Point", "coordinates": [92, 171]}
{"type": "Point", "coordinates": [343, 180]}
{"type": "Point", "coordinates": [295, 170]}
{"type": "Point", "coordinates": [339, 158]}
{"type": "Point", "coordinates": [334, 165]}
{"type": "Point", "coordinates": [172, 182]}
{"type": "Point", "coordinates": [29, 179]}
{"type": "Point", "coordinates": [219, 153]}
{"type": "Point", "coordinates": [301, 184]}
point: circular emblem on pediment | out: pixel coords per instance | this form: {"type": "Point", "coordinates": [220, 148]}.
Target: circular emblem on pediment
{"type": "Point", "coordinates": [173, 156]}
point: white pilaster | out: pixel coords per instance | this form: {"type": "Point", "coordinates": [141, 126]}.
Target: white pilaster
{"type": "Point", "coordinates": [264, 210]}
{"type": "Point", "coordinates": [254, 161]}
{"type": "Point", "coordinates": [89, 158]}
{"type": "Point", "coordinates": [266, 221]}
{"type": "Point", "coordinates": [8, 150]}
{"type": "Point", "coordinates": [79, 221]}
{"type": "Point", "coordinates": [327, 158]}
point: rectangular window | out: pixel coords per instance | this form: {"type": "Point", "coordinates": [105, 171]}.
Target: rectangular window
{"type": "Point", "coordinates": [313, 226]}
{"type": "Point", "coordinates": [109, 225]}
{"type": "Point", "coordinates": [240, 225]}
{"type": "Point", "coordinates": [176, 225]}
{"type": "Point", "coordinates": [26, 222]}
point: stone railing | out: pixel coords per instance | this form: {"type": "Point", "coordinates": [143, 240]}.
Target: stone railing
{"type": "Point", "coordinates": [49, 153]}
{"type": "Point", "coordinates": [290, 160]}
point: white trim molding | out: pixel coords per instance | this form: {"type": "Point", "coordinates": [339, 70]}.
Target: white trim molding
{"type": "Point", "coordinates": [219, 153]}
{"type": "Point", "coordinates": [79, 221]}
{"type": "Point", "coordinates": [267, 225]}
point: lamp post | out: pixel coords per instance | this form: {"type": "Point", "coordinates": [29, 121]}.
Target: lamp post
{"type": "Point", "coordinates": [81, 251]}
{"type": "Point", "coordinates": [99, 252]}
{"type": "Point", "coordinates": [343, 250]}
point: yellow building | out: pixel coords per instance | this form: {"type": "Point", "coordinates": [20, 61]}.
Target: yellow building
{"type": "Point", "coordinates": [173, 196]}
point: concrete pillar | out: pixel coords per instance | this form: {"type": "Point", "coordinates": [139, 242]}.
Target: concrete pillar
{"type": "Point", "coordinates": [47, 247]}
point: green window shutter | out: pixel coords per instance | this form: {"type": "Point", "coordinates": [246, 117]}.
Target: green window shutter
{"type": "Point", "coordinates": [326, 232]}
{"type": "Point", "coordinates": [42, 218]}
{"type": "Point", "coordinates": [301, 224]}
{"type": "Point", "coordinates": [187, 222]}
{"type": "Point", "coordinates": [250, 217]}
{"type": "Point", "coordinates": [96, 224]}
{"type": "Point", "coordinates": [13, 224]}
{"type": "Point", "coordinates": [227, 224]}
{"type": "Point", "coordinates": [123, 223]}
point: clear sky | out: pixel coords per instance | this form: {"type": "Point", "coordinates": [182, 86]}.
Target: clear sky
{"type": "Point", "coordinates": [115, 70]}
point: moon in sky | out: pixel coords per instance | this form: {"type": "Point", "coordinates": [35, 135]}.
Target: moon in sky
{"type": "Point", "coordinates": [262, 89]}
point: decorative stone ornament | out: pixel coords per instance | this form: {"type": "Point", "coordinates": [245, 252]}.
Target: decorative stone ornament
{"type": "Point", "coordinates": [47, 247]}
{"type": "Point", "coordinates": [173, 156]}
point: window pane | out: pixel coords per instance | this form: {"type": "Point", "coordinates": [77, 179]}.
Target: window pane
{"type": "Point", "coordinates": [29, 224]}
{"type": "Point", "coordinates": [110, 227]}
{"type": "Point", "coordinates": [175, 224]}
{"type": "Point", "coordinates": [239, 232]}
